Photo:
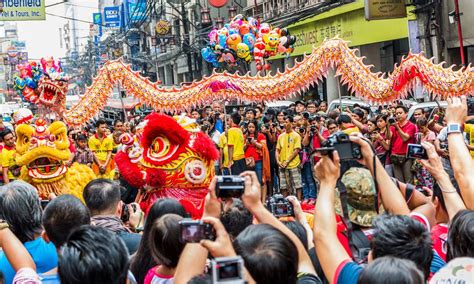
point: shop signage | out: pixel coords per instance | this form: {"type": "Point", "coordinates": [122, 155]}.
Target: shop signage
{"type": "Point", "coordinates": [112, 16]}
{"type": "Point", "coordinates": [348, 23]}
{"type": "Point", "coordinates": [23, 10]}
{"type": "Point", "coordinates": [162, 27]}
{"type": "Point", "coordinates": [385, 9]}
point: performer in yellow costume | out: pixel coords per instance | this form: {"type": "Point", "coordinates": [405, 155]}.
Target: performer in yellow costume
{"type": "Point", "coordinates": [102, 147]}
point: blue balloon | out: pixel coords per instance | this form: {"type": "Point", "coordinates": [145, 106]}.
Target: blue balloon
{"type": "Point", "coordinates": [222, 40]}
{"type": "Point", "coordinates": [233, 31]}
{"type": "Point", "coordinates": [30, 83]}
{"type": "Point", "coordinates": [227, 26]}
{"type": "Point", "coordinates": [249, 39]}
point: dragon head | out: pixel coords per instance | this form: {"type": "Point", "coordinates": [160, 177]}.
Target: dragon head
{"type": "Point", "coordinates": [173, 160]}
{"type": "Point", "coordinates": [43, 150]}
{"type": "Point", "coordinates": [51, 92]}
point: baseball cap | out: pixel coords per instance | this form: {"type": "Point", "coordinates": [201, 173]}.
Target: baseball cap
{"type": "Point", "coordinates": [361, 192]}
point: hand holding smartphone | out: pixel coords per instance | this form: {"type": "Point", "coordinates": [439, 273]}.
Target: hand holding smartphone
{"type": "Point", "coordinates": [416, 151]}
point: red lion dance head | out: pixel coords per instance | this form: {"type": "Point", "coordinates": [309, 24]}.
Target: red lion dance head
{"type": "Point", "coordinates": [172, 160]}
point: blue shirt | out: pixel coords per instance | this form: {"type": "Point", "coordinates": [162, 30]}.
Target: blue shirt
{"type": "Point", "coordinates": [347, 273]}
{"type": "Point", "coordinates": [219, 125]}
{"type": "Point", "coordinates": [44, 256]}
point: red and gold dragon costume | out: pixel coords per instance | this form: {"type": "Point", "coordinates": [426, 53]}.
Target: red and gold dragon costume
{"type": "Point", "coordinates": [335, 53]}
{"type": "Point", "coordinates": [42, 151]}
{"type": "Point", "coordinates": [173, 159]}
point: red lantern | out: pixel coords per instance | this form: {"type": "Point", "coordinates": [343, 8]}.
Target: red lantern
{"type": "Point", "coordinates": [217, 3]}
{"type": "Point", "coordinates": [267, 66]}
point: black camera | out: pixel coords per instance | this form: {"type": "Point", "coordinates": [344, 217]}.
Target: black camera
{"type": "Point", "coordinates": [280, 206]}
{"type": "Point", "coordinates": [274, 124]}
{"type": "Point", "coordinates": [306, 115]}
{"type": "Point", "coordinates": [312, 128]}
{"type": "Point", "coordinates": [340, 142]}
{"type": "Point", "coordinates": [301, 129]}
{"type": "Point", "coordinates": [230, 186]}
{"type": "Point", "coordinates": [391, 120]}
{"type": "Point", "coordinates": [192, 231]}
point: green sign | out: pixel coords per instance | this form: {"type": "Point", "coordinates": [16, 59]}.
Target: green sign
{"type": "Point", "coordinates": [23, 10]}
{"type": "Point", "coordinates": [348, 22]}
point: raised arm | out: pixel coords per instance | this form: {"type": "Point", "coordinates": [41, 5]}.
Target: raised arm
{"type": "Point", "coordinates": [253, 203]}
{"type": "Point", "coordinates": [330, 251]}
{"type": "Point", "coordinates": [15, 251]}
{"type": "Point", "coordinates": [461, 160]}
{"type": "Point", "coordinates": [392, 199]}
{"type": "Point", "coordinates": [193, 258]}
{"type": "Point", "coordinates": [452, 200]}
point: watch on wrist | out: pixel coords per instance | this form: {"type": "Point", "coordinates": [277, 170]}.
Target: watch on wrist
{"type": "Point", "coordinates": [454, 128]}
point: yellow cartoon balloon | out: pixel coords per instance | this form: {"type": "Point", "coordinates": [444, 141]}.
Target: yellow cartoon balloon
{"type": "Point", "coordinates": [271, 41]}
{"type": "Point", "coordinates": [243, 51]}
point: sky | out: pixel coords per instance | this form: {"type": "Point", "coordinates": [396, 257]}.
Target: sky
{"type": "Point", "coordinates": [43, 37]}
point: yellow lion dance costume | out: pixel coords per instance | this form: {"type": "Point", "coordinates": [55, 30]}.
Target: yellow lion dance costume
{"type": "Point", "coordinates": [42, 152]}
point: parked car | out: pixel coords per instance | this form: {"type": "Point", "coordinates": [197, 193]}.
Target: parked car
{"type": "Point", "coordinates": [433, 107]}
{"type": "Point", "coordinates": [350, 102]}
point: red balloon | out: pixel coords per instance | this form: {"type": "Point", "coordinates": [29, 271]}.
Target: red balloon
{"type": "Point", "coordinates": [259, 67]}
{"type": "Point", "coordinates": [267, 66]}
{"type": "Point", "coordinates": [217, 3]}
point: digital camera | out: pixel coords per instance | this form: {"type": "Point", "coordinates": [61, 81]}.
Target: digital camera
{"type": "Point", "coordinates": [391, 120]}
{"type": "Point", "coordinates": [192, 231]}
{"type": "Point", "coordinates": [340, 142]}
{"type": "Point", "coordinates": [230, 186]}
{"type": "Point", "coordinates": [227, 270]}
{"type": "Point", "coordinates": [280, 206]}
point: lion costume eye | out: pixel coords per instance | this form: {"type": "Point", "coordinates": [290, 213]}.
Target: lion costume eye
{"type": "Point", "coordinates": [161, 149]}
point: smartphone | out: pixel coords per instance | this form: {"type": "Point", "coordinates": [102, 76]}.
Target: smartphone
{"type": "Point", "coordinates": [416, 151]}
{"type": "Point", "coordinates": [192, 231]}
{"type": "Point", "coordinates": [230, 186]}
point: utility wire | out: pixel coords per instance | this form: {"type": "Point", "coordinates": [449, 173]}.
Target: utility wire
{"type": "Point", "coordinates": [69, 18]}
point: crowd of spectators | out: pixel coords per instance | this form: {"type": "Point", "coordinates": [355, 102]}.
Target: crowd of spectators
{"type": "Point", "coordinates": [380, 218]}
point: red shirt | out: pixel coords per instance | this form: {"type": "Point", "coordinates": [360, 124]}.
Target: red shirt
{"type": "Point", "coordinates": [251, 150]}
{"type": "Point", "coordinates": [439, 235]}
{"type": "Point", "coordinates": [317, 143]}
{"type": "Point", "coordinates": [398, 146]}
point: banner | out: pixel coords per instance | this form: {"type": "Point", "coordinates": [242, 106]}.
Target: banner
{"type": "Point", "coordinates": [112, 16]}
{"type": "Point", "coordinates": [137, 11]}
{"type": "Point", "coordinates": [23, 10]}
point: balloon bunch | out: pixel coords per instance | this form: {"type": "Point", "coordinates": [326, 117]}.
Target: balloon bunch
{"type": "Point", "coordinates": [26, 81]}
{"type": "Point", "coordinates": [246, 39]}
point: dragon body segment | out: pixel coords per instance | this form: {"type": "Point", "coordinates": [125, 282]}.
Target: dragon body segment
{"type": "Point", "coordinates": [376, 87]}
